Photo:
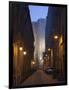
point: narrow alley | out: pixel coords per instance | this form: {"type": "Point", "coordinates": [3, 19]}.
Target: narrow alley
{"type": "Point", "coordinates": [39, 78]}
{"type": "Point", "coordinates": [38, 45]}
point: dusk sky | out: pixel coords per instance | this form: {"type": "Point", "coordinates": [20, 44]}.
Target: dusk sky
{"type": "Point", "coordinates": [38, 12]}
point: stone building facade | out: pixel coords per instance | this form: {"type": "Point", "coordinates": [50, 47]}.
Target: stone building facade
{"type": "Point", "coordinates": [22, 40]}
{"type": "Point", "coordinates": [56, 26]}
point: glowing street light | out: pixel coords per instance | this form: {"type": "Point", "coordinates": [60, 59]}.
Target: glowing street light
{"type": "Point", "coordinates": [24, 52]}
{"type": "Point", "coordinates": [20, 48]}
{"type": "Point", "coordinates": [40, 58]}
{"type": "Point", "coordinates": [55, 37]}
{"type": "Point", "coordinates": [49, 49]}
{"type": "Point", "coordinates": [33, 62]}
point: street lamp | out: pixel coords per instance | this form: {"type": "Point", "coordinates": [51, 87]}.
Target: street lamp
{"type": "Point", "coordinates": [40, 58]}
{"type": "Point", "coordinates": [24, 52]}
{"type": "Point", "coordinates": [55, 37]}
{"type": "Point", "coordinates": [33, 62]}
{"type": "Point", "coordinates": [49, 49]}
{"type": "Point", "coordinates": [20, 48]}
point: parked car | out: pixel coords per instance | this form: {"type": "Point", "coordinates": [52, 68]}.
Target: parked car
{"type": "Point", "coordinates": [50, 70]}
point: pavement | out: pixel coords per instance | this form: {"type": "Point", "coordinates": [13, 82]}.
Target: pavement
{"type": "Point", "coordinates": [39, 78]}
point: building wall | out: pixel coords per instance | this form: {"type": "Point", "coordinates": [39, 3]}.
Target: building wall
{"type": "Point", "coordinates": [56, 25]}
{"type": "Point", "coordinates": [39, 34]}
{"type": "Point", "coordinates": [35, 30]}
{"type": "Point", "coordinates": [21, 28]}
